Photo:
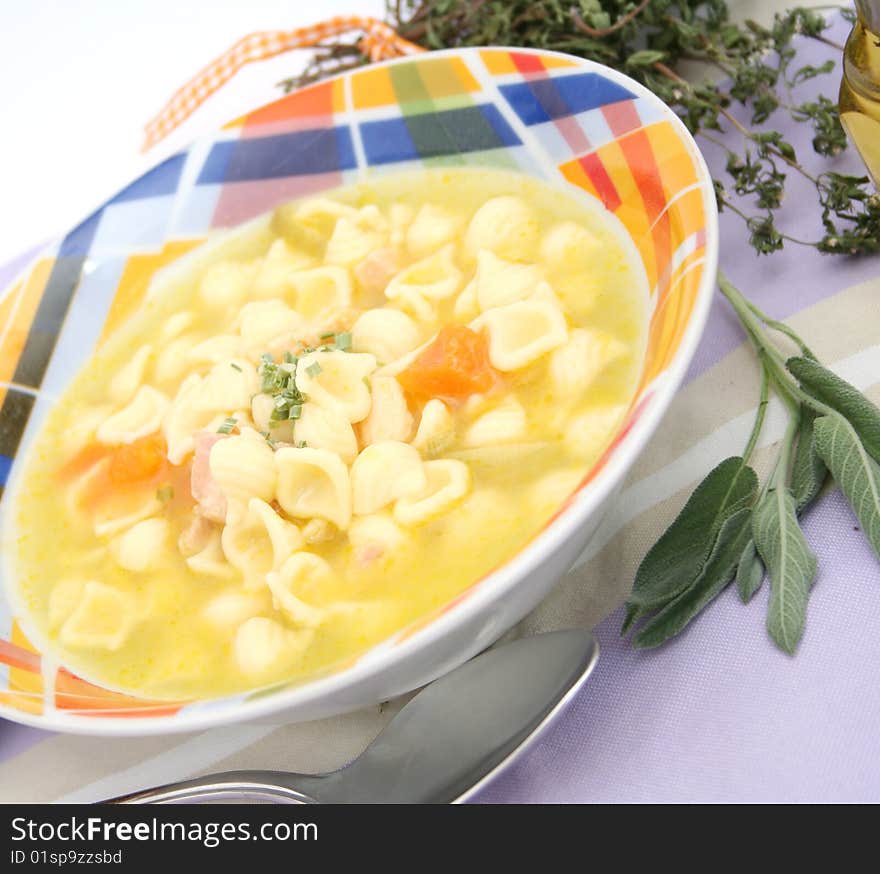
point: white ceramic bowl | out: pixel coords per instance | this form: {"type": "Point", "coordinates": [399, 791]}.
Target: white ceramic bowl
{"type": "Point", "coordinates": [571, 122]}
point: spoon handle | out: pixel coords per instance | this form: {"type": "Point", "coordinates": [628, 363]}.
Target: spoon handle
{"type": "Point", "coordinates": [269, 786]}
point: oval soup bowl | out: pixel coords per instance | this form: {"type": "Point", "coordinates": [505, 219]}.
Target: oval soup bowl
{"type": "Point", "coordinates": [575, 124]}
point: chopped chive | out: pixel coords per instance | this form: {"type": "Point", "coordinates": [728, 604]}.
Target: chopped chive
{"type": "Point", "coordinates": [328, 335]}
{"type": "Point", "coordinates": [165, 494]}
{"type": "Point", "coordinates": [227, 425]}
{"type": "Point", "coordinates": [295, 411]}
{"type": "Point", "coordinates": [343, 341]}
{"type": "Point", "coordinates": [234, 366]}
{"type": "Point", "coordinates": [289, 358]}
{"type": "Point", "coordinates": [301, 444]}
{"type": "Point", "coordinates": [267, 358]}
{"type": "Point", "coordinates": [313, 369]}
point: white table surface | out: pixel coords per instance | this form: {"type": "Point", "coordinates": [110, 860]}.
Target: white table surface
{"type": "Point", "coordinates": [80, 78]}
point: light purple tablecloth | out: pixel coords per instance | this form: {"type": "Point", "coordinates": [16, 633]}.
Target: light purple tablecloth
{"type": "Point", "coordinates": [720, 714]}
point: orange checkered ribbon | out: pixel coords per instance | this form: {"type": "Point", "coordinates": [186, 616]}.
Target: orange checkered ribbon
{"type": "Point", "coordinates": [379, 43]}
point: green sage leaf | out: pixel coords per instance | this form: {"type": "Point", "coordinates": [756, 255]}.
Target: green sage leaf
{"type": "Point", "coordinates": [677, 559]}
{"type": "Point", "coordinates": [791, 566]}
{"type": "Point", "coordinates": [857, 474]}
{"type": "Point", "coordinates": [827, 387]}
{"type": "Point", "coordinates": [808, 473]}
{"type": "Point", "coordinates": [749, 572]}
{"type": "Point", "coordinates": [717, 574]}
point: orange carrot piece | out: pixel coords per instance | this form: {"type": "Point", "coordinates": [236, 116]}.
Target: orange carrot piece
{"type": "Point", "coordinates": [455, 366]}
{"type": "Point", "coordinates": [138, 461]}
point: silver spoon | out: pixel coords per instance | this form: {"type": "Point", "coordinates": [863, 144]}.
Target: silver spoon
{"type": "Point", "coordinates": [442, 746]}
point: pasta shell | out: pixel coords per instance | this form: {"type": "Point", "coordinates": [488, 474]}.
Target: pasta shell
{"type": "Point", "coordinates": [129, 377]}
{"type": "Point", "coordinates": [448, 482]}
{"type": "Point", "coordinates": [141, 416]}
{"type": "Point", "coordinates": [221, 347]}
{"type": "Point", "coordinates": [506, 423]}
{"type": "Point", "coordinates": [103, 619]}
{"type": "Point", "coordinates": [523, 332]}
{"type": "Point", "coordinates": [431, 228]}
{"type": "Point", "coordinates": [184, 420]}
{"type": "Point", "coordinates": [63, 600]}
{"type": "Point", "coordinates": [274, 275]}
{"type": "Point", "coordinates": [260, 542]}
{"type": "Point", "coordinates": [210, 560]}
{"type": "Point", "coordinates": [385, 333]}
{"type": "Point", "coordinates": [263, 648]}
{"type": "Point", "coordinates": [390, 418]}
{"type": "Point", "coordinates": [326, 428]}
{"type": "Point", "coordinates": [141, 548]}
{"type": "Point", "coordinates": [313, 483]}
{"type": "Point", "coordinates": [588, 433]}
{"type": "Point", "coordinates": [244, 467]}
{"type": "Point", "coordinates": [321, 288]}
{"type": "Point", "coordinates": [577, 364]}
{"type": "Point", "coordinates": [507, 226]}
{"type": "Point", "coordinates": [436, 429]}
{"type": "Point", "coordinates": [261, 321]}
{"type": "Point", "coordinates": [500, 282]}
{"type": "Point", "coordinates": [350, 242]}
{"type": "Point", "coordinates": [384, 472]}
{"type": "Point", "coordinates": [231, 608]}
{"type": "Point", "coordinates": [375, 538]}
{"type": "Point", "coordinates": [110, 525]}
{"type": "Point", "coordinates": [335, 380]}
{"type": "Point", "coordinates": [568, 246]}
{"type": "Point", "coordinates": [229, 385]}
{"type": "Point", "coordinates": [301, 570]}
{"type": "Point", "coordinates": [226, 284]}
{"type": "Point", "coordinates": [433, 278]}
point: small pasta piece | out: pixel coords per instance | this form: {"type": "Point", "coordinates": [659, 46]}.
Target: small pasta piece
{"type": "Point", "coordinates": [390, 418]}
{"type": "Point", "coordinates": [129, 377]}
{"type": "Point", "coordinates": [231, 608]}
{"type": "Point", "coordinates": [261, 321]}
{"type": "Point", "coordinates": [321, 214]}
{"type": "Point", "coordinates": [568, 246]}
{"type": "Point", "coordinates": [218, 348]}
{"type": "Point", "coordinates": [141, 416]}
{"type": "Point", "coordinates": [523, 332]}
{"type": "Point", "coordinates": [376, 270]}
{"type": "Point", "coordinates": [103, 619]}
{"type": "Point", "coordinates": [173, 360]}
{"type": "Point", "coordinates": [260, 542]}
{"type": "Point", "coordinates": [506, 423]}
{"type": "Point", "coordinates": [275, 272]}
{"type": "Point", "coordinates": [244, 467]}
{"type": "Point", "coordinates": [210, 560]}
{"type": "Point", "coordinates": [175, 325]}
{"type": "Point", "coordinates": [335, 379]}
{"type": "Point", "coordinates": [433, 278]}
{"type": "Point", "coordinates": [263, 648]}
{"type": "Point", "coordinates": [229, 385]}
{"type": "Point", "coordinates": [507, 226]}
{"type": "Point", "coordinates": [588, 433]}
{"type": "Point", "coordinates": [400, 216]}
{"type": "Point", "coordinates": [262, 406]}
{"type": "Point", "coordinates": [321, 288]}
{"type": "Point", "coordinates": [141, 547]}
{"type": "Point", "coordinates": [576, 365]}
{"type": "Point", "coordinates": [303, 570]}
{"type": "Point", "coordinates": [313, 483]}
{"type": "Point", "coordinates": [80, 428]}
{"type": "Point", "coordinates": [184, 420]}
{"type": "Point", "coordinates": [431, 228]}
{"type": "Point", "coordinates": [436, 429]}
{"type": "Point", "coordinates": [319, 531]}
{"type": "Point", "coordinates": [63, 600]}
{"type": "Point", "coordinates": [384, 472]}
{"type": "Point", "coordinates": [466, 305]}
{"type": "Point", "coordinates": [449, 481]}
{"type": "Point", "coordinates": [226, 284]}
{"type": "Point", "coordinates": [500, 282]}
{"type": "Point", "coordinates": [375, 538]}
{"type": "Point", "coordinates": [326, 428]}
{"type": "Point", "coordinates": [351, 242]}
{"type": "Point", "coordinates": [107, 526]}
{"type": "Point", "coordinates": [385, 333]}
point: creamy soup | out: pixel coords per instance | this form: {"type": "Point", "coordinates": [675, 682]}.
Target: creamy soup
{"type": "Point", "coordinates": [324, 427]}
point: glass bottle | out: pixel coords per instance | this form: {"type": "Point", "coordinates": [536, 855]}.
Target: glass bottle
{"type": "Point", "coordinates": [860, 88]}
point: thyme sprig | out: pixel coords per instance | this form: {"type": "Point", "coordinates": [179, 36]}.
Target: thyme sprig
{"type": "Point", "coordinates": [653, 41]}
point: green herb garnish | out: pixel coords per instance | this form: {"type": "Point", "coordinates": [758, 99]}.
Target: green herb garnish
{"type": "Point", "coordinates": [165, 494]}
{"type": "Point", "coordinates": [227, 426]}
{"type": "Point", "coordinates": [234, 366]}
{"type": "Point", "coordinates": [732, 528]}
{"type": "Point", "coordinates": [343, 341]}
{"type": "Point", "coordinates": [328, 336]}
{"type": "Point", "coordinates": [313, 369]}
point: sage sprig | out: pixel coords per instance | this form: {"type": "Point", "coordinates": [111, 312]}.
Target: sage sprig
{"type": "Point", "coordinates": [732, 528]}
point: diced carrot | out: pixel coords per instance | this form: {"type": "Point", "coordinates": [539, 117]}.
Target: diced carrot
{"type": "Point", "coordinates": [138, 461]}
{"type": "Point", "coordinates": [455, 366]}
{"type": "Point", "coordinates": [86, 458]}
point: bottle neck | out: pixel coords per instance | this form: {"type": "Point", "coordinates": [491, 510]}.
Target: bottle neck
{"type": "Point", "coordinates": [869, 14]}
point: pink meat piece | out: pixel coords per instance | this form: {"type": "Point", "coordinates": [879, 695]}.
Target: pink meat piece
{"type": "Point", "coordinates": [376, 270]}
{"type": "Point", "coordinates": [365, 555]}
{"type": "Point", "coordinates": [205, 489]}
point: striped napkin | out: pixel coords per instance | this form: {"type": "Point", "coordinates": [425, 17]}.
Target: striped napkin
{"type": "Point", "coordinates": [718, 715]}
